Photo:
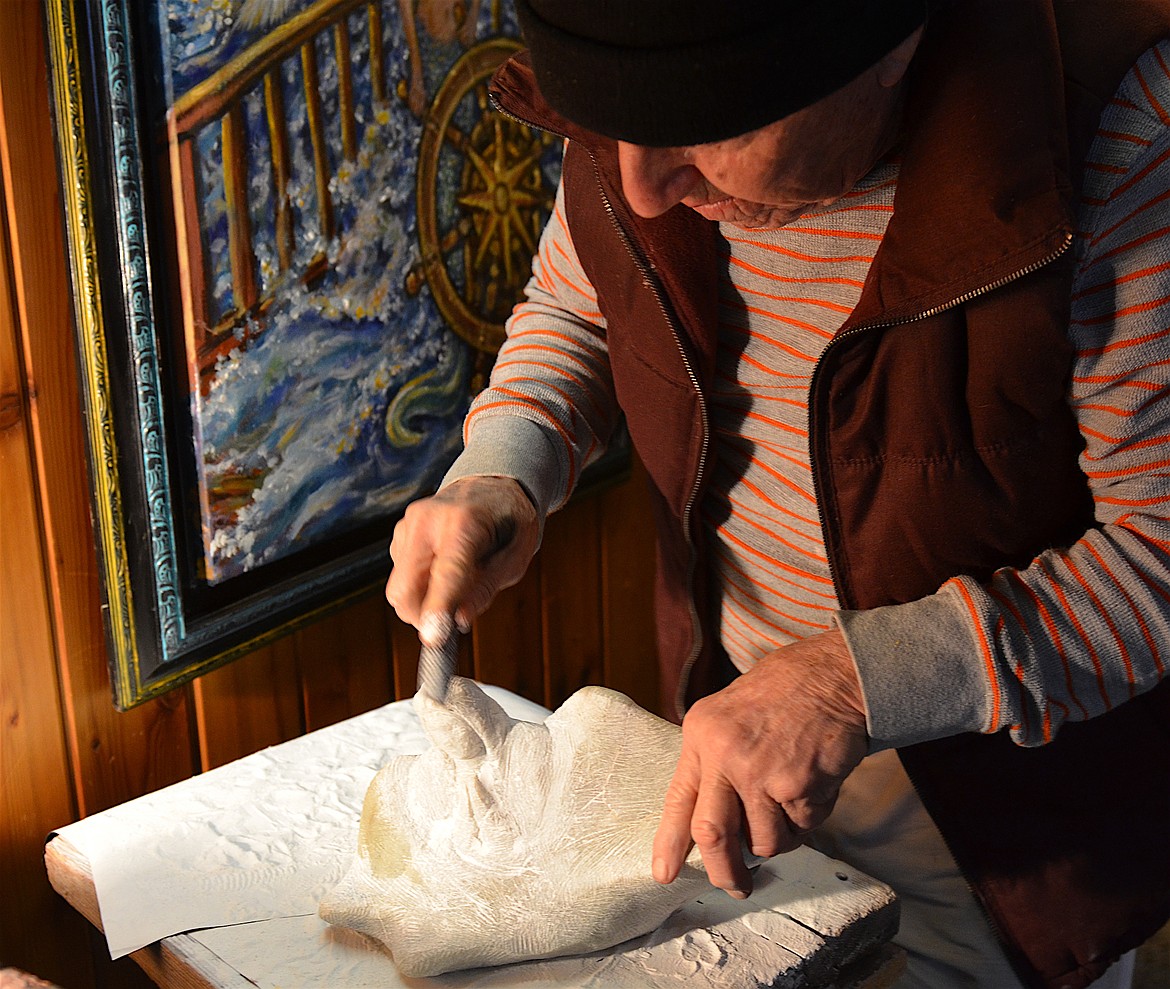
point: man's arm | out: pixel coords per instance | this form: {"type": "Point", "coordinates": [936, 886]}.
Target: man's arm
{"type": "Point", "coordinates": [1083, 628]}
{"type": "Point", "coordinates": [548, 410]}
{"type": "Point", "coordinates": [1080, 630]}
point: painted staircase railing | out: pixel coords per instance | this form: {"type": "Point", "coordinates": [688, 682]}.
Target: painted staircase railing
{"type": "Point", "coordinates": [219, 100]}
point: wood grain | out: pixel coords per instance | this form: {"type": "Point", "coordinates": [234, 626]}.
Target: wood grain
{"type": "Point", "coordinates": [570, 579]}
{"type": "Point", "coordinates": [406, 650]}
{"type": "Point", "coordinates": [88, 756]}
{"type": "Point", "coordinates": [176, 962]}
{"type": "Point", "coordinates": [811, 940]}
{"type": "Point", "coordinates": [345, 663]}
{"type": "Point", "coordinates": [508, 639]}
{"type": "Point", "coordinates": [114, 756]}
{"type": "Point", "coordinates": [627, 574]}
{"type": "Point", "coordinates": [249, 704]}
{"type": "Point", "coordinates": [36, 795]}
{"type": "Point", "coordinates": [878, 970]}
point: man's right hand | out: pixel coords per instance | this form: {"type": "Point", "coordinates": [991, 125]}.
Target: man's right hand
{"type": "Point", "coordinates": [455, 551]}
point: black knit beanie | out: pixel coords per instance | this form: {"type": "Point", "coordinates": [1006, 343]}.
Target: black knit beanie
{"type": "Point", "coordinates": [675, 72]}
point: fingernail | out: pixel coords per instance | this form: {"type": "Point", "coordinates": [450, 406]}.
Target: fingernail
{"type": "Point", "coordinates": [738, 894]}
{"type": "Point", "coordinates": [660, 871]}
{"type": "Point", "coordinates": [462, 623]}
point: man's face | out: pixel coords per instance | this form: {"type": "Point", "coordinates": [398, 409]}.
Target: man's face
{"type": "Point", "coordinates": [768, 177]}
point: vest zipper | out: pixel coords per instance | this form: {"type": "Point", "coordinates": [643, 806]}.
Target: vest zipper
{"type": "Point", "coordinates": [816, 435]}
{"type": "Point", "coordinates": [815, 444]}
{"type": "Point", "coordinates": [647, 271]}
{"type": "Point", "coordinates": [651, 281]}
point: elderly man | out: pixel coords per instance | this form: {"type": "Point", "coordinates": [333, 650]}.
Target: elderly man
{"type": "Point", "coordinates": [882, 288]}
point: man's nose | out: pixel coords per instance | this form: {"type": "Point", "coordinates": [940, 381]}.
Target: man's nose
{"type": "Point", "coordinates": [654, 179]}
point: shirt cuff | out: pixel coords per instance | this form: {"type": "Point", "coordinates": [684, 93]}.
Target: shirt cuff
{"type": "Point", "coordinates": [920, 670]}
{"type": "Point", "coordinates": [517, 448]}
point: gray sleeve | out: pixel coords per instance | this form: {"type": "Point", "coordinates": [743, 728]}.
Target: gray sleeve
{"type": "Point", "coordinates": [914, 664]}
{"type": "Point", "coordinates": [514, 448]}
{"type": "Point", "coordinates": [549, 408]}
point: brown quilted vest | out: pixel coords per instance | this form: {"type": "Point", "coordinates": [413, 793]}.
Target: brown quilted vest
{"type": "Point", "coordinates": [941, 440]}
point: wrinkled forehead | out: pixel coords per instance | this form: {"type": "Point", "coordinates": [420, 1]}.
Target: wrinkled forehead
{"type": "Point", "coordinates": [665, 73]}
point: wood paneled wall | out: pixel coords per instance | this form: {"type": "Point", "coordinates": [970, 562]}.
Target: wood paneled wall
{"type": "Point", "coordinates": [582, 615]}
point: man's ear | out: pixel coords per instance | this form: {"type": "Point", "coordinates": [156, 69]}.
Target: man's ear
{"type": "Point", "coordinates": [891, 68]}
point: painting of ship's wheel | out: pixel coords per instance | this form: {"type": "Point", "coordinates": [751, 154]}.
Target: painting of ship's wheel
{"type": "Point", "coordinates": [332, 225]}
{"type": "Point", "coordinates": [486, 183]}
{"type": "Point", "coordinates": [351, 203]}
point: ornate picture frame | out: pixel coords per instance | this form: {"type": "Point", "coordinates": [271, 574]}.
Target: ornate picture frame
{"type": "Point", "coordinates": [290, 269]}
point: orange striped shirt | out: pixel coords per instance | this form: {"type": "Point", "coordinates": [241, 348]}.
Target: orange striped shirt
{"type": "Point", "coordinates": [1078, 631]}
{"type": "Point", "coordinates": [782, 293]}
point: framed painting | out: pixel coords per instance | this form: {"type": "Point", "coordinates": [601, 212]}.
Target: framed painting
{"type": "Point", "coordinates": [295, 230]}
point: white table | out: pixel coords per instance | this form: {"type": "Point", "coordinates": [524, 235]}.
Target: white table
{"type": "Point", "coordinates": [813, 923]}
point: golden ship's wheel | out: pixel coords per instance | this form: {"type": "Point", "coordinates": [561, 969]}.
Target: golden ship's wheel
{"type": "Point", "coordinates": [482, 198]}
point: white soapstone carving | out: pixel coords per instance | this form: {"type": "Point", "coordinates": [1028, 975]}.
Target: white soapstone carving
{"type": "Point", "coordinates": [509, 840]}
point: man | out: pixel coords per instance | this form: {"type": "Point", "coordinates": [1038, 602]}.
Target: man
{"type": "Point", "coordinates": [900, 392]}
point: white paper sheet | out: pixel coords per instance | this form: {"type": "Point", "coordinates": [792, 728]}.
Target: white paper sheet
{"type": "Point", "coordinates": [263, 837]}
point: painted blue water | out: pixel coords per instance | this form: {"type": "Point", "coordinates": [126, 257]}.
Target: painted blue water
{"type": "Point", "coordinates": [306, 412]}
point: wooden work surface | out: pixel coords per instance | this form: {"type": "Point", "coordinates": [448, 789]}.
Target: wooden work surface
{"type": "Point", "coordinates": [857, 955]}
{"type": "Point", "coordinates": [812, 922]}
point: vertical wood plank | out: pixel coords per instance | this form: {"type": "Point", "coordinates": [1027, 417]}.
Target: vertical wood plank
{"type": "Point", "coordinates": [508, 639]}
{"type": "Point", "coordinates": [627, 574]}
{"type": "Point", "coordinates": [570, 575]}
{"type": "Point", "coordinates": [406, 647]}
{"type": "Point", "coordinates": [465, 661]}
{"type": "Point", "coordinates": [114, 756]}
{"type": "Point", "coordinates": [249, 704]}
{"type": "Point", "coordinates": [574, 589]}
{"type": "Point", "coordinates": [121, 974]}
{"type": "Point", "coordinates": [346, 663]}
{"type": "Point", "coordinates": [36, 795]}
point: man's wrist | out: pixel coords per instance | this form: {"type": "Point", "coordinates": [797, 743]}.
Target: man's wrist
{"type": "Point", "coordinates": [918, 671]}
{"type": "Point", "coordinates": [510, 446]}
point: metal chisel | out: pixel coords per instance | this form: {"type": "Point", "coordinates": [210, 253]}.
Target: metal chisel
{"type": "Point", "coordinates": [436, 662]}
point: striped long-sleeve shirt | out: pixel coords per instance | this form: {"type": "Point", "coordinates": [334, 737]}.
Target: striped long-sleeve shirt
{"type": "Point", "coordinates": [1066, 638]}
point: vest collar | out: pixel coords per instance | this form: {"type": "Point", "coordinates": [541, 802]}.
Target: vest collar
{"type": "Point", "coordinates": [983, 191]}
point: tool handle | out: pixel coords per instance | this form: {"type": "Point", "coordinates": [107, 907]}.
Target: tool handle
{"type": "Point", "coordinates": [437, 661]}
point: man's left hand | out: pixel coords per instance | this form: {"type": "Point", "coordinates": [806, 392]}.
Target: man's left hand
{"type": "Point", "coordinates": [762, 760]}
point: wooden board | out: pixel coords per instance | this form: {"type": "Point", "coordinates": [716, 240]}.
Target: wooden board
{"type": "Point", "coordinates": [249, 704]}
{"type": "Point", "coordinates": [77, 754]}
{"type": "Point", "coordinates": [344, 663]}
{"type": "Point", "coordinates": [34, 763]}
{"type": "Point", "coordinates": [114, 756]}
{"type": "Point", "coordinates": [508, 641]}
{"type": "Point", "coordinates": [627, 575]}
{"type": "Point", "coordinates": [406, 650]}
{"type": "Point", "coordinates": [814, 940]}
{"type": "Point", "coordinates": [570, 574]}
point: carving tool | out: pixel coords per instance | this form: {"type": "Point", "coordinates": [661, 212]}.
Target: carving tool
{"type": "Point", "coordinates": [437, 660]}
